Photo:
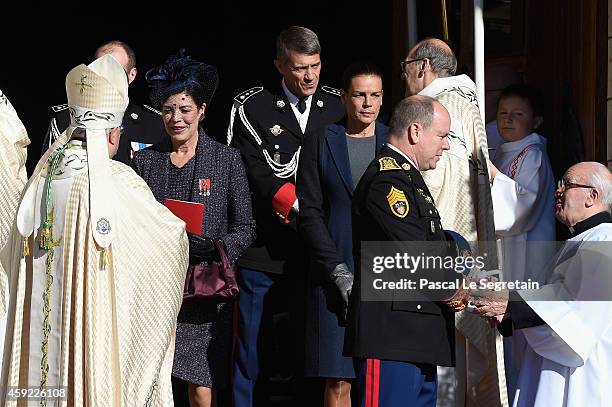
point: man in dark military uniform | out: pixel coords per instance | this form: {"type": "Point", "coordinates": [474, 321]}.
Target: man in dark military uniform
{"type": "Point", "coordinates": [397, 343]}
{"type": "Point", "coordinates": [142, 126]}
{"type": "Point", "coordinates": [268, 127]}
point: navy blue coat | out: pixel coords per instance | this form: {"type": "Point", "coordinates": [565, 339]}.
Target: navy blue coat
{"type": "Point", "coordinates": [325, 190]}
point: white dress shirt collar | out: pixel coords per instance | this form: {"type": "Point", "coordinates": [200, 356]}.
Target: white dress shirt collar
{"type": "Point", "coordinates": [392, 147]}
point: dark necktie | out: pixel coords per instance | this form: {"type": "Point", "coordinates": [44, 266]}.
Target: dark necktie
{"type": "Point", "coordinates": [301, 105]}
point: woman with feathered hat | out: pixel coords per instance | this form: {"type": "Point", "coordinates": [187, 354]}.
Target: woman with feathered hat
{"type": "Point", "coordinates": [190, 166]}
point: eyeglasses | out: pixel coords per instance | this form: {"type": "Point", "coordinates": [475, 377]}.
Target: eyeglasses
{"type": "Point", "coordinates": [564, 186]}
{"type": "Point", "coordinates": [409, 61]}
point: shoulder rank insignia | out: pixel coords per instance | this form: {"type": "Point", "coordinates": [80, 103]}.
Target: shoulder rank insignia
{"type": "Point", "coordinates": [388, 163]}
{"type": "Point", "coordinates": [152, 109]}
{"type": "Point", "coordinates": [59, 108]}
{"type": "Point", "coordinates": [330, 90]}
{"type": "Point", "coordinates": [406, 166]}
{"type": "Point", "coordinates": [398, 202]}
{"type": "Point", "coordinates": [245, 95]}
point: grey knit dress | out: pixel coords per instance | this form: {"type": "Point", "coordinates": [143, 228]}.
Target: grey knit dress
{"type": "Point", "coordinates": [204, 332]}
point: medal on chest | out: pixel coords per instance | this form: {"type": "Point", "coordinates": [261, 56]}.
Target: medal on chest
{"type": "Point", "coordinates": [204, 186]}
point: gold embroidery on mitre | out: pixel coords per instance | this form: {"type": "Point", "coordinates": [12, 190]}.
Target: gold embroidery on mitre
{"type": "Point", "coordinates": [388, 163]}
{"type": "Point", "coordinates": [398, 202]}
{"type": "Point", "coordinates": [83, 84]}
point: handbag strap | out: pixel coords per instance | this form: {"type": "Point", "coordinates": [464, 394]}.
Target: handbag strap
{"type": "Point", "coordinates": [220, 247]}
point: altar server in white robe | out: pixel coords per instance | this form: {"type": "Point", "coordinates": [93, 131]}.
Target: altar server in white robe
{"type": "Point", "coordinates": [523, 188]}
{"type": "Point", "coordinates": [96, 266]}
{"type": "Point", "coordinates": [13, 153]}
{"type": "Point", "coordinates": [567, 323]}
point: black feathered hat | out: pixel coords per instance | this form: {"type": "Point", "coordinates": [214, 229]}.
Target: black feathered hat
{"type": "Point", "coordinates": [181, 72]}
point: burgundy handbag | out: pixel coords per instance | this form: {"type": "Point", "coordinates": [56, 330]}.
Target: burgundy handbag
{"type": "Point", "coordinates": [211, 282]}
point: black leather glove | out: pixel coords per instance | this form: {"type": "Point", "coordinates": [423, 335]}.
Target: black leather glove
{"type": "Point", "coordinates": [343, 279]}
{"type": "Point", "coordinates": [201, 249]}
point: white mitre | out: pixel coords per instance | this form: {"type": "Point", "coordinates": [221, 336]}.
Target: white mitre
{"type": "Point", "coordinates": [97, 98]}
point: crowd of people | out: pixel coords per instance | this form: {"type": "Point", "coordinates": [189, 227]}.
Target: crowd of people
{"type": "Point", "coordinates": [94, 263]}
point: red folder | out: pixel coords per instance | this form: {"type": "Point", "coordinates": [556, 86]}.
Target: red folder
{"type": "Point", "coordinates": [191, 213]}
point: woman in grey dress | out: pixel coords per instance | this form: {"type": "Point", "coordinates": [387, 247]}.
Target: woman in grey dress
{"type": "Point", "coordinates": [190, 166]}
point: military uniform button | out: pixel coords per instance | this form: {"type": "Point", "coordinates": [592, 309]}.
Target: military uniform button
{"type": "Point", "coordinates": [419, 306]}
{"type": "Point", "coordinates": [430, 212]}
{"type": "Point", "coordinates": [276, 146]}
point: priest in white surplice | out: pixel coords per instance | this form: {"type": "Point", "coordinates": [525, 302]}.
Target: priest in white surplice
{"type": "Point", "coordinates": [13, 142]}
{"type": "Point", "coordinates": [567, 323]}
{"type": "Point", "coordinates": [96, 265]}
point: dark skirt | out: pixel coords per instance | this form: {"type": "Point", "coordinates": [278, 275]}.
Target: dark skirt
{"type": "Point", "coordinates": [203, 344]}
{"type": "Point", "coordinates": [324, 335]}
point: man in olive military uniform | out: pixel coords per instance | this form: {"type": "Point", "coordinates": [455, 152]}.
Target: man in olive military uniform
{"type": "Point", "coordinates": [397, 344]}
{"type": "Point", "coordinates": [268, 127]}
{"type": "Point", "coordinates": [142, 126]}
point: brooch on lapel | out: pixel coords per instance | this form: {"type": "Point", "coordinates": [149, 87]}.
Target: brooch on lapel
{"type": "Point", "coordinates": [276, 129]}
{"type": "Point", "coordinates": [280, 104]}
{"type": "Point", "coordinates": [204, 186]}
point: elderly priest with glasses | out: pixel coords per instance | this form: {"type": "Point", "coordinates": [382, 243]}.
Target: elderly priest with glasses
{"type": "Point", "coordinates": [567, 323]}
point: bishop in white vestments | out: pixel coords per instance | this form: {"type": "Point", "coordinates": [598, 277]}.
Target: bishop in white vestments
{"type": "Point", "coordinates": [96, 266]}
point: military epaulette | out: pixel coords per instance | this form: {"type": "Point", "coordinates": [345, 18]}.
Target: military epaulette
{"type": "Point", "coordinates": [330, 90]}
{"type": "Point", "coordinates": [388, 163]}
{"type": "Point", "coordinates": [244, 96]}
{"type": "Point", "coordinates": [152, 109]}
{"type": "Point", "coordinates": [59, 108]}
